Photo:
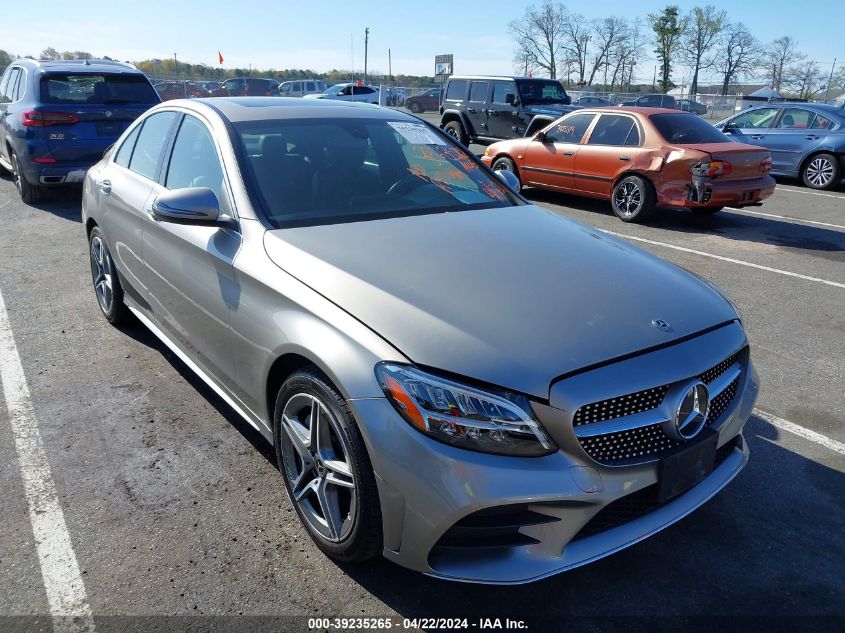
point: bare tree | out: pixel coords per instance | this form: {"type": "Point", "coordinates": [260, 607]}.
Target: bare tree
{"type": "Point", "coordinates": [523, 63]}
{"type": "Point", "coordinates": [739, 50]}
{"type": "Point", "coordinates": [538, 36]}
{"type": "Point", "coordinates": [576, 40]}
{"type": "Point", "coordinates": [806, 79]}
{"type": "Point", "coordinates": [777, 57]}
{"type": "Point", "coordinates": [50, 53]}
{"type": "Point", "coordinates": [626, 54]}
{"type": "Point", "coordinates": [608, 32]}
{"type": "Point", "coordinates": [704, 26]}
{"type": "Point", "coordinates": [669, 28]}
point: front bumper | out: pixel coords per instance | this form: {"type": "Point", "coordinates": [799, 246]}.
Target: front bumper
{"type": "Point", "coordinates": [426, 488]}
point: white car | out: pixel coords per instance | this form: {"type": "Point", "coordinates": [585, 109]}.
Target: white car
{"type": "Point", "coordinates": [301, 87]}
{"type": "Point", "coordinates": [349, 92]}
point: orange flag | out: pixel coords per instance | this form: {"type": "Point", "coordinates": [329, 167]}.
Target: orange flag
{"type": "Point", "coordinates": [220, 57]}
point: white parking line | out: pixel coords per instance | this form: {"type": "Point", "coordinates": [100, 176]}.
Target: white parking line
{"type": "Point", "coordinates": [800, 431]}
{"type": "Point", "coordinates": [786, 217]}
{"type": "Point", "coordinates": [69, 606]}
{"type": "Point", "coordinates": [726, 259]}
{"type": "Point", "coordinates": [811, 193]}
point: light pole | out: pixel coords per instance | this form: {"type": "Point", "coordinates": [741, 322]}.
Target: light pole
{"type": "Point", "coordinates": [176, 66]}
{"type": "Point", "coordinates": [829, 79]}
{"type": "Point", "coordinates": [366, 43]}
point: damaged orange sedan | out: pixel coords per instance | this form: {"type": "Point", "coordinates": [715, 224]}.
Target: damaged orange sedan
{"type": "Point", "coordinates": [639, 159]}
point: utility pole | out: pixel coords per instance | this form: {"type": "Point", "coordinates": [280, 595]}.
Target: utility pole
{"type": "Point", "coordinates": [654, 81]}
{"type": "Point", "coordinates": [366, 42]}
{"type": "Point", "coordinates": [176, 64]}
{"type": "Point", "coordinates": [829, 79]}
{"type": "Point", "coordinates": [389, 65]}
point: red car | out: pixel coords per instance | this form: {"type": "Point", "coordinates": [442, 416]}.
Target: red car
{"type": "Point", "coordinates": [168, 90]}
{"type": "Point", "coordinates": [638, 159]}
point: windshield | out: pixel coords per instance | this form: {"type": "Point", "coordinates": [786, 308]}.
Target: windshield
{"type": "Point", "coordinates": [333, 90]}
{"type": "Point", "coordinates": [541, 91]}
{"type": "Point", "coordinates": [327, 171]}
{"type": "Point", "coordinates": [74, 88]}
{"type": "Point", "coordinates": [686, 129]}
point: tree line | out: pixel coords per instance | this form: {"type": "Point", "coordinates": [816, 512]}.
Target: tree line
{"type": "Point", "coordinates": [550, 39]}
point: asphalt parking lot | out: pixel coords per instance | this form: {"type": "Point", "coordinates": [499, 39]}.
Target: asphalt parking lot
{"type": "Point", "coordinates": [177, 515]}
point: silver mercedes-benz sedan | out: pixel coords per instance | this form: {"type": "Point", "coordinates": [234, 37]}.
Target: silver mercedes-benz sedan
{"type": "Point", "coordinates": [473, 386]}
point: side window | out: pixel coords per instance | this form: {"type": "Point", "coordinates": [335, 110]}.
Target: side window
{"type": "Point", "coordinates": [20, 89]}
{"type": "Point", "coordinates": [9, 83]}
{"type": "Point", "coordinates": [456, 90]}
{"type": "Point", "coordinates": [822, 123]}
{"type": "Point", "coordinates": [501, 90]}
{"type": "Point", "coordinates": [151, 140]}
{"type": "Point", "coordinates": [570, 129]}
{"type": "Point", "coordinates": [4, 81]}
{"type": "Point", "coordinates": [194, 161]}
{"type": "Point", "coordinates": [479, 91]}
{"type": "Point", "coordinates": [124, 152]}
{"type": "Point", "coordinates": [612, 129]}
{"type": "Point", "coordinates": [761, 118]}
{"type": "Point", "coordinates": [309, 86]}
{"type": "Point", "coordinates": [796, 118]}
{"type": "Point", "coordinates": [284, 88]}
{"type": "Point", "coordinates": [297, 87]}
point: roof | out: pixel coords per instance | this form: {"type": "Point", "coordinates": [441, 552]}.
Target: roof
{"type": "Point", "coordinates": [643, 111]}
{"type": "Point", "coordinates": [78, 65]}
{"type": "Point", "coordinates": [501, 77]}
{"type": "Point", "coordinates": [238, 109]}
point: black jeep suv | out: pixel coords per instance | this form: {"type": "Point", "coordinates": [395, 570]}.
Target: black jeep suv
{"type": "Point", "coordinates": [488, 109]}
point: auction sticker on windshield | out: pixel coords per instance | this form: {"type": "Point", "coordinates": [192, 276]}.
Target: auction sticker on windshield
{"type": "Point", "coordinates": [416, 133]}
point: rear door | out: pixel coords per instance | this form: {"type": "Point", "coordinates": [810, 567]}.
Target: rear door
{"type": "Point", "coordinates": [551, 162]}
{"type": "Point", "coordinates": [479, 96]}
{"type": "Point", "coordinates": [612, 147]}
{"type": "Point", "coordinates": [189, 267]}
{"type": "Point", "coordinates": [89, 111]}
{"type": "Point", "coordinates": [794, 133]}
{"type": "Point", "coordinates": [8, 83]}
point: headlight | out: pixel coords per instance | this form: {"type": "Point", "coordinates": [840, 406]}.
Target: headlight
{"type": "Point", "coordinates": [463, 416]}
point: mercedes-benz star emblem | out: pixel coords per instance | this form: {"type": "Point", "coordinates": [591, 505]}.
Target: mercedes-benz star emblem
{"type": "Point", "coordinates": [690, 412]}
{"type": "Point", "coordinates": [662, 325]}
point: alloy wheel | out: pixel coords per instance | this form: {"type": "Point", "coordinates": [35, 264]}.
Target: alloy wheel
{"type": "Point", "coordinates": [820, 171]}
{"type": "Point", "coordinates": [627, 199]}
{"type": "Point", "coordinates": [101, 272]}
{"type": "Point", "coordinates": [16, 173]}
{"type": "Point", "coordinates": [317, 465]}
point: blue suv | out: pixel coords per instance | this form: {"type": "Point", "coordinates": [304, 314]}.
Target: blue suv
{"type": "Point", "coordinates": [58, 117]}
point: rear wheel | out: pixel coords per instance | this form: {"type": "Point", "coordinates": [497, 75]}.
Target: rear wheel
{"type": "Point", "coordinates": [456, 131]}
{"type": "Point", "coordinates": [29, 193]}
{"type": "Point", "coordinates": [633, 199]}
{"type": "Point", "coordinates": [706, 210]}
{"type": "Point", "coordinates": [822, 171]}
{"type": "Point", "coordinates": [416, 108]}
{"type": "Point", "coordinates": [326, 468]}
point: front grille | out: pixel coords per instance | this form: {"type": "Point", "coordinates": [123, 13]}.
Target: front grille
{"type": "Point", "coordinates": [623, 405]}
{"type": "Point", "coordinates": [649, 442]}
{"type": "Point", "coordinates": [639, 503]}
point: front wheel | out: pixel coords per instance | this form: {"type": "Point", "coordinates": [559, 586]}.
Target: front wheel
{"type": "Point", "coordinates": [822, 171]}
{"type": "Point", "coordinates": [505, 163]}
{"type": "Point", "coordinates": [456, 131]}
{"type": "Point", "coordinates": [326, 468]}
{"type": "Point", "coordinates": [633, 199]}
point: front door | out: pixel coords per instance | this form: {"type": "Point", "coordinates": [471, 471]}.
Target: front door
{"type": "Point", "coordinates": [795, 132]}
{"type": "Point", "coordinates": [752, 126]}
{"type": "Point", "coordinates": [501, 115]}
{"type": "Point", "coordinates": [550, 162]}
{"type": "Point", "coordinates": [191, 279]}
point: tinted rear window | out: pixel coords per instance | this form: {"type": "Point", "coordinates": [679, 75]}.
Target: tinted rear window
{"type": "Point", "coordinates": [686, 129]}
{"type": "Point", "coordinates": [98, 89]}
{"type": "Point", "coordinates": [456, 90]}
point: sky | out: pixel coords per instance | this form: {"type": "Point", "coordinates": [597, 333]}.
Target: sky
{"type": "Point", "coordinates": [325, 34]}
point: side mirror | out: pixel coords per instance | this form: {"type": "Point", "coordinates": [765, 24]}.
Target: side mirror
{"type": "Point", "coordinates": [509, 178]}
{"type": "Point", "coordinates": [729, 128]}
{"type": "Point", "coordinates": [511, 99]}
{"type": "Point", "coordinates": [193, 205]}
{"type": "Point", "coordinates": [540, 136]}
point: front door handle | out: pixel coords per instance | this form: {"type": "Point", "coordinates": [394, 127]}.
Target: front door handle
{"type": "Point", "coordinates": [811, 138]}
{"type": "Point", "coordinates": [569, 153]}
{"type": "Point", "coordinates": [471, 110]}
{"type": "Point", "coordinates": [756, 137]}
{"type": "Point", "coordinates": [625, 158]}
{"type": "Point", "coordinates": [104, 186]}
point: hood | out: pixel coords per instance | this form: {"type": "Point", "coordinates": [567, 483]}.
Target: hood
{"type": "Point", "coordinates": [514, 297]}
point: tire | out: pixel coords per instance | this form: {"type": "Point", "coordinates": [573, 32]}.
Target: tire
{"type": "Point", "coordinates": [822, 171]}
{"type": "Point", "coordinates": [505, 163]}
{"type": "Point", "coordinates": [633, 199]}
{"type": "Point", "coordinates": [416, 108]}
{"type": "Point", "coordinates": [29, 193]}
{"type": "Point", "coordinates": [706, 210]}
{"type": "Point", "coordinates": [456, 131]}
{"type": "Point", "coordinates": [106, 281]}
{"type": "Point", "coordinates": [357, 536]}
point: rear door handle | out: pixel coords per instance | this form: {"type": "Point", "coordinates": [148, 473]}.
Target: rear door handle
{"type": "Point", "coordinates": [625, 158]}
{"type": "Point", "coordinates": [569, 153]}
{"type": "Point", "coordinates": [104, 186]}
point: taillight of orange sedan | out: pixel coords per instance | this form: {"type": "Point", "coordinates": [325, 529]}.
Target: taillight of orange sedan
{"type": "Point", "coordinates": [639, 159]}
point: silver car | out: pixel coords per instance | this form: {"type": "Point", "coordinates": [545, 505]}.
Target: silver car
{"type": "Point", "coordinates": [470, 385]}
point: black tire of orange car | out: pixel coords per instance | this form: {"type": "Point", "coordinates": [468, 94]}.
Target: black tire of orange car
{"type": "Point", "coordinates": [645, 203]}
{"type": "Point", "coordinates": [415, 107]}
{"type": "Point", "coordinates": [365, 539]}
{"type": "Point", "coordinates": [29, 193]}
{"type": "Point", "coordinates": [822, 163]}
{"type": "Point", "coordinates": [116, 312]}
{"type": "Point", "coordinates": [706, 210]}
{"type": "Point", "coordinates": [505, 163]}
{"type": "Point", "coordinates": [456, 131]}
